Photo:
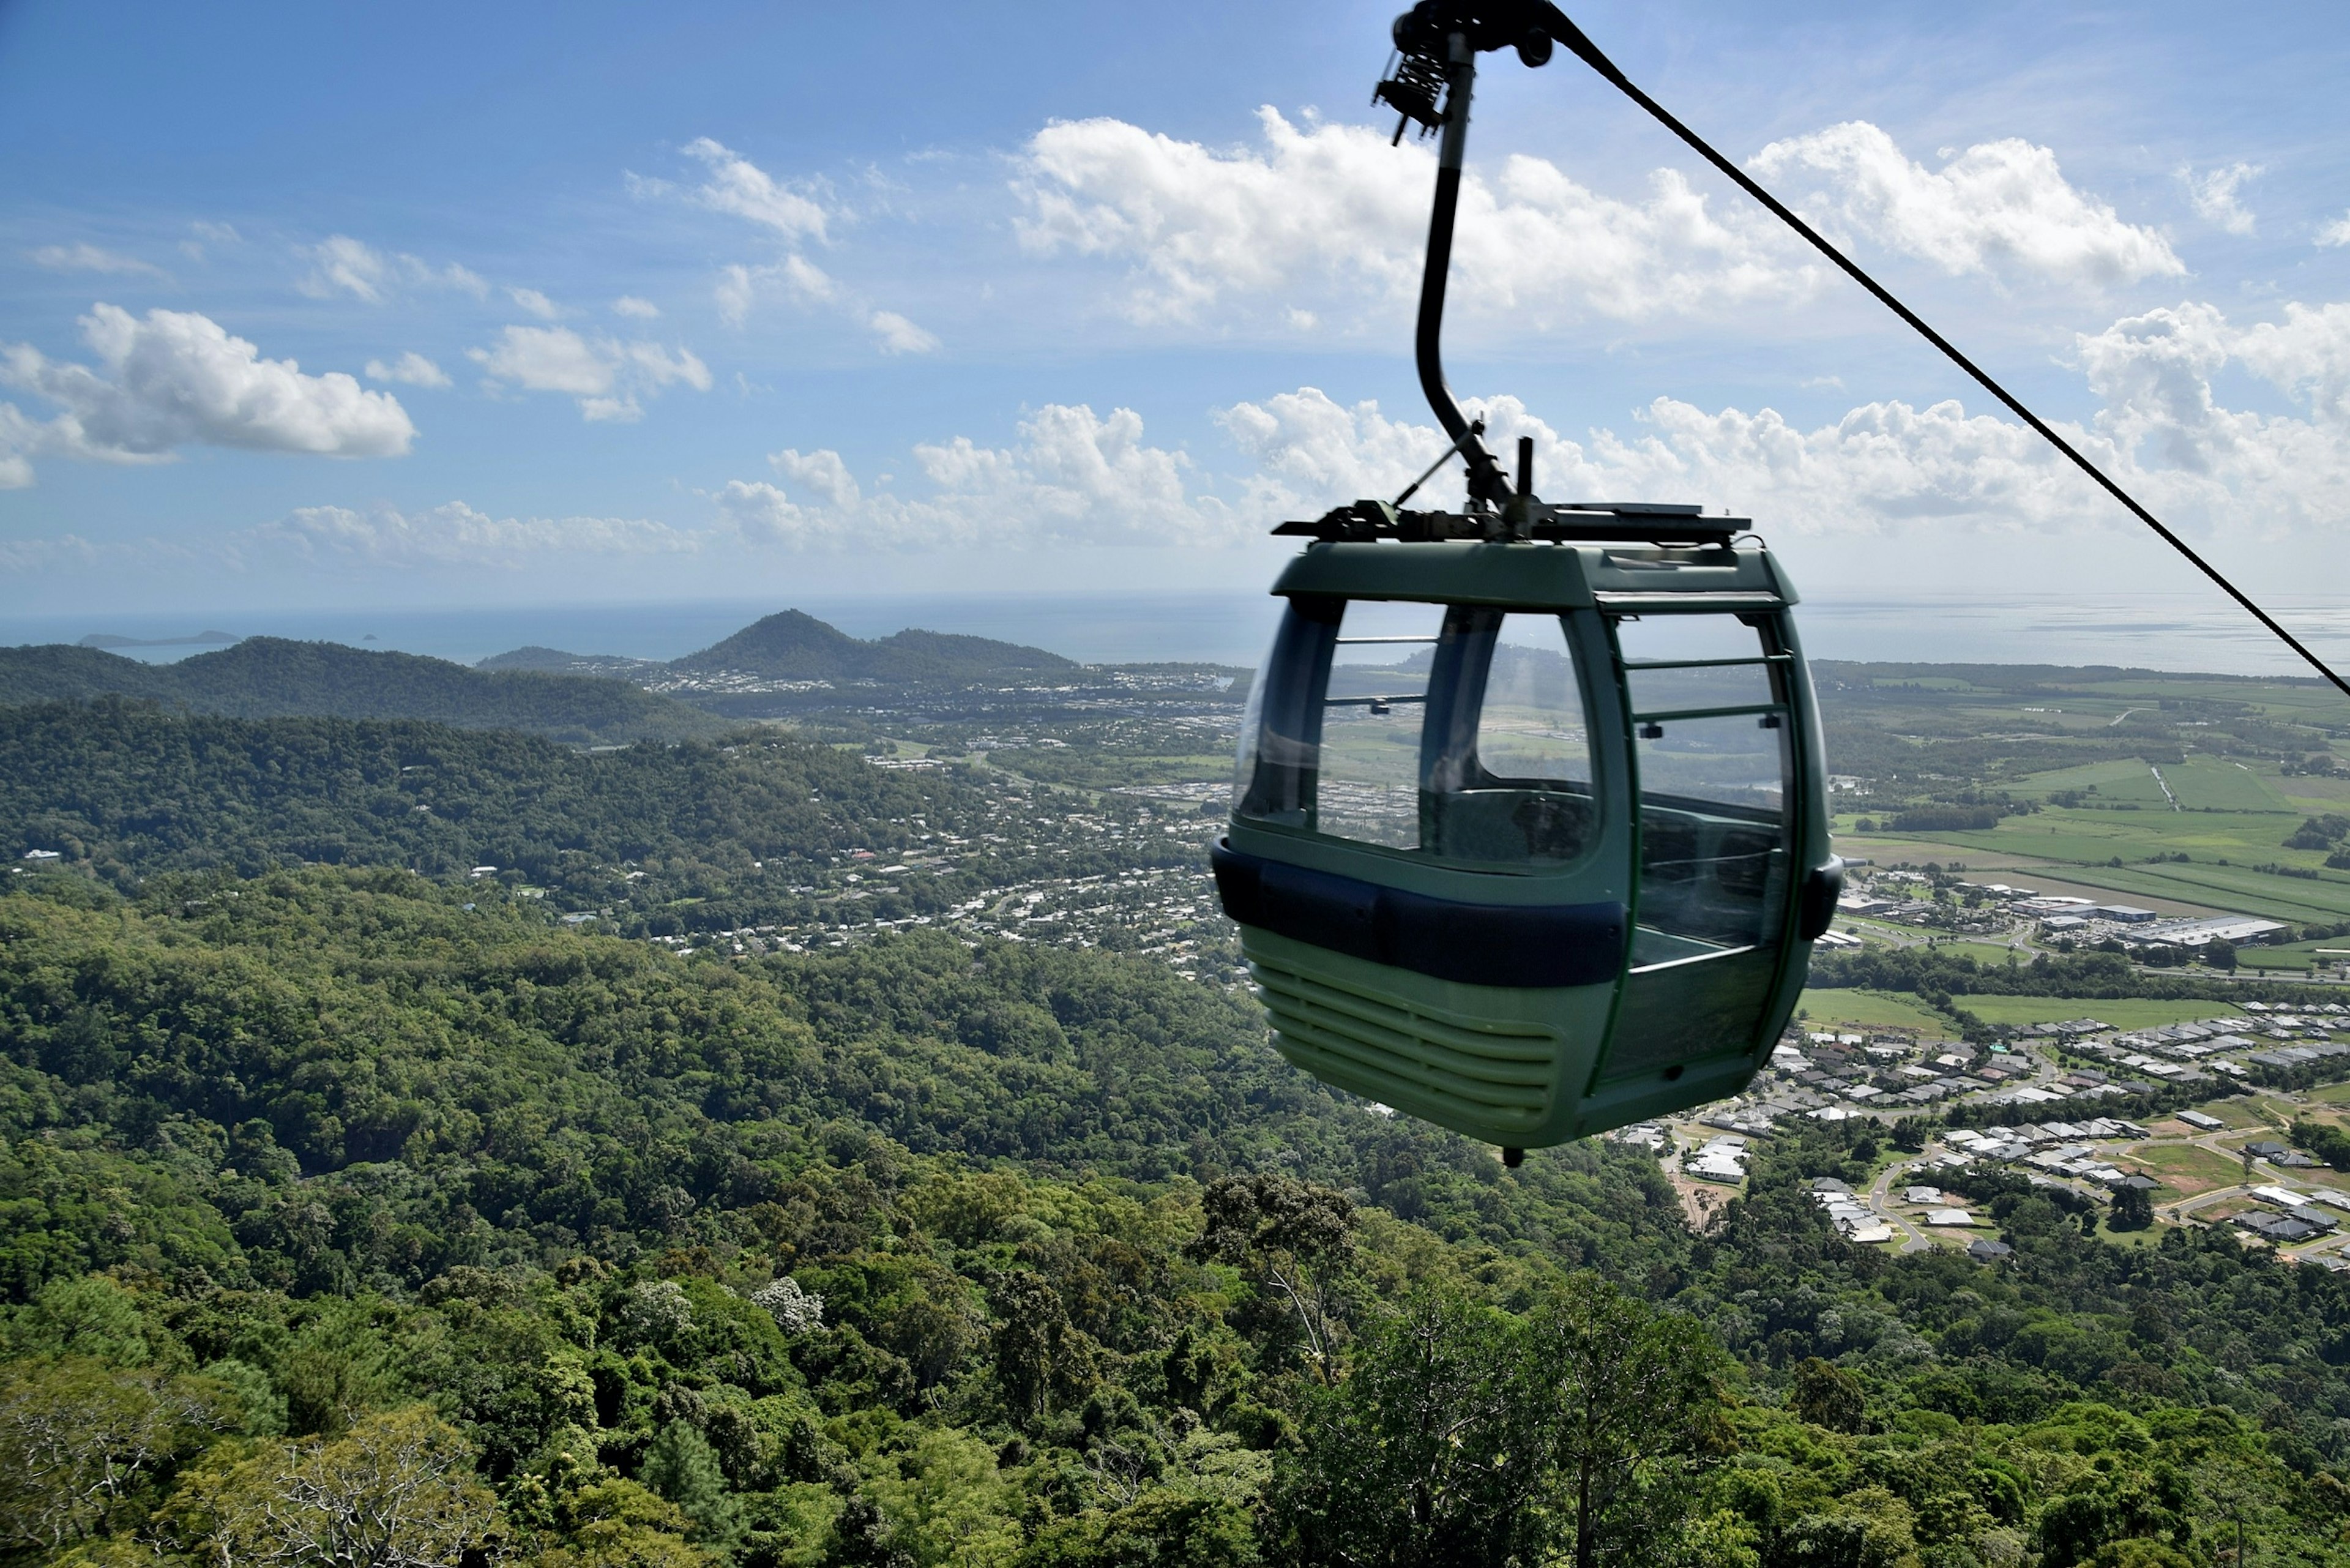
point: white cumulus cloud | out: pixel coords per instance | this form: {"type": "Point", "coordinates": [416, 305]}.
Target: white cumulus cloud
{"type": "Point", "coordinates": [1878, 466]}
{"type": "Point", "coordinates": [2001, 207]}
{"type": "Point", "coordinates": [87, 257]}
{"type": "Point", "coordinates": [538, 304]}
{"type": "Point", "coordinates": [795, 214]}
{"type": "Point", "coordinates": [2337, 232]}
{"type": "Point", "coordinates": [740, 287]}
{"type": "Point", "coordinates": [1073, 477]}
{"type": "Point", "coordinates": [606, 375]}
{"type": "Point", "coordinates": [737, 186]}
{"type": "Point", "coordinates": [628, 304]}
{"type": "Point", "coordinates": [2161, 430]}
{"type": "Point", "coordinates": [175, 379]}
{"type": "Point", "coordinates": [1332, 213]}
{"type": "Point", "coordinates": [821, 471]}
{"type": "Point", "coordinates": [2214, 195]}
{"type": "Point", "coordinates": [899, 335]}
{"type": "Point", "coordinates": [411, 369]}
{"type": "Point", "coordinates": [764, 514]}
{"type": "Point", "coordinates": [341, 264]}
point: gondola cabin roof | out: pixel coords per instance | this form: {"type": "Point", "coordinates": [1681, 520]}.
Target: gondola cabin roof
{"type": "Point", "coordinates": [1532, 575]}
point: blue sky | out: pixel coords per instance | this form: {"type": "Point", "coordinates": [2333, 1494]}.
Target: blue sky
{"type": "Point", "coordinates": [302, 305]}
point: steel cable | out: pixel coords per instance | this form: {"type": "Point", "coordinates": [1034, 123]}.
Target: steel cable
{"type": "Point", "coordinates": [1568, 34]}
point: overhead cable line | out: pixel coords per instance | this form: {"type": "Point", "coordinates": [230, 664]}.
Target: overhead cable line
{"type": "Point", "coordinates": [1556, 23]}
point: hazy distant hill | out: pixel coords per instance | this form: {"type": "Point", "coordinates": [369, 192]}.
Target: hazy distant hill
{"type": "Point", "coordinates": [266, 676]}
{"type": "Point", "coordinates": [609, 666]}
{"type": "Point", "coordinates": [795, 646]}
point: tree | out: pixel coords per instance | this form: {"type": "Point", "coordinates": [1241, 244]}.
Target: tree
{"type": "Point", "coordinates": [2133, 1209]}
{"type": "Point", "coordinates": [615, 1523]}
{"type": "Point", "coordinates": [1042, 1360]}
{"type": "Point", "coordinates": [1159, 1529]}
{"type": "Point", "coordinates": [1629, 1409]}
{"type": "Point", "coordinates": [2221, 954]}
{"type": "Point", "coordinates": [1297, 1237]}
{"type": "Point", "coordinates": [1431, 1452]}
{"type": "Point", "coordinates": [397, 1491]}
{"type": "Point", "coordinates": [2110, 1508]}
{"type": "Point", "coordinates": [948, 1506]}
{"type": "Point", "coordinates": [1826, 1394]}
{"type": "Point", "coordinates": [2324, 1139]}
{"type": "Point", "coordinates": [81, 1440]}
{"type": "Point", "coordinates": [683, 1468]}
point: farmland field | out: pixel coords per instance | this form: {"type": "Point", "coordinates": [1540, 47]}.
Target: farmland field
{"type": "Point", "coordinates": [2082, 845]}
{"type": "Point", "coordinates": [1872, 1010]}
{"type": "Point", "coordinates": [2215, 784]}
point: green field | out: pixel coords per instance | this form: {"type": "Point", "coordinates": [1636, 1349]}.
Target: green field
{"type": "Point", "coordinates": [2287, 959]}
{"type": "Point", "coordinates": [2235, 1112]}
{"type": "Point", "coordinates": [2324, 952]}
{"type": "Point", "coordinates": [2122, 1012]}
{"type": "Point", "coordinates": [2198, 784]}
{"type": "Point", "coordinates": [1871, 1010]}
{"type": "Point", "coordinates": [2316, 793]}
{"type": "Point", "coordinates": [2111, 781]}
{"type": "Point", "coordinates": [1984, 952]}
{"type": "Point", "coordinates": [2215, 784]}
{"type": "Point", "coordinates": [2081, 845]}
{"type": "Point", "coordinates": [2186, 1169]}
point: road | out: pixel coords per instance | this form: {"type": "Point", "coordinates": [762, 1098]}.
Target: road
{"type": "Point", "coordinates": [1880, 1199]}
{"type": "Point", "coordinates": [2263, 1174]}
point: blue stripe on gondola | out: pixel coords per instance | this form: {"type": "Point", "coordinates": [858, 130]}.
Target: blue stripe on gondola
{"type": "Point", "coordinates": [1520, 945]}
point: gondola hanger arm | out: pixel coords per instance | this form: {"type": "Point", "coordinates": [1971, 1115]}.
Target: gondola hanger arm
{"type": "Point", "coordinates": [1531, 26]}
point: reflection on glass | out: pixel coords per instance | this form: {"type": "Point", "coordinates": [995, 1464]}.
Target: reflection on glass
{"type": "Point", "coordinates": [1700, 687]}
{"type": "Point", "coordinates": [1714, 883]}
{"type": "Point", "coordinates": [1370, 771]}
{"type": "Point", "coordinates": [1458, 731]}
{"type": "Point", "coordinates": [1530, 726]}
{"type": "Point", "coordinates": [1712, 827]}
{"type": "Point", "coordinates": [1508, 752]}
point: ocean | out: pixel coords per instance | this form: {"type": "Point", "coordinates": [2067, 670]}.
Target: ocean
{"type": "Point", "coordinates": [2179, 632]}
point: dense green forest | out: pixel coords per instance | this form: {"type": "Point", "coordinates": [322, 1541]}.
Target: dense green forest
{"type": "Point", "coordinates": [268, 677]}
{"type": "Point", "coordinates": [326, 1198]}
{"type": "Point", "coordinates": [658, 837]}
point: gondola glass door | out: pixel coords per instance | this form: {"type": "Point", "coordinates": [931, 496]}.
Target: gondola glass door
{"type": "Point", "coordinates": [1708, 700]}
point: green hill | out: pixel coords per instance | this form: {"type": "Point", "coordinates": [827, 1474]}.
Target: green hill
{"type": "Point", "coordinates": [606, 666]}
{"type": "Point", "coordinates": [795, 645]}
{"type": "Point", "coordinates": [269, 677]}
{"type": "Point", "coordinates": [136, 791]}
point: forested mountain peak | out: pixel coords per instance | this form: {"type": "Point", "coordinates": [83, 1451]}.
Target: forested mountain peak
{"type": "Point", "coordinates": [977, 653]}
{"type": "Point", "coordinates": [792, 645]}
{"type": "Point", "coordinates": [271, 677]}
{"type": "Point", "coordinates": [534, 657]}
